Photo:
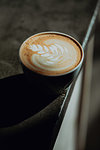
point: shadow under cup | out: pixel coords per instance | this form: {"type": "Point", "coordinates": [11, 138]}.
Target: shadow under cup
{"type": "Point", "coordinates": [53, 85]}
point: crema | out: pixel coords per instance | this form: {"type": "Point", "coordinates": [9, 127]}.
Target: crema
{"type": "Point", "coordinates": [50, 54]}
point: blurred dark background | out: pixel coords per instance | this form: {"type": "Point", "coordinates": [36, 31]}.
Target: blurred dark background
{"type": "Point", "coordinates": [19, 19]}
{"type": "Point", "coordinates": [93, 135]}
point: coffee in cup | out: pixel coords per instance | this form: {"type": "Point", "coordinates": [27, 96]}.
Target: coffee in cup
{"type": "Point", "coordinates": [51, 60]}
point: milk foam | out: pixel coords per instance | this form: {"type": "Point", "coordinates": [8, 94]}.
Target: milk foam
{"type": "Point", "coordinates": [50, 55]}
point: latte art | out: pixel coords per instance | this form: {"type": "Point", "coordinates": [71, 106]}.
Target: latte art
{"type": "Point", "coordinates": [50, 54]}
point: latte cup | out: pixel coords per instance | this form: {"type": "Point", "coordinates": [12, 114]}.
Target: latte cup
{"type": "Point", "coordinates": [50, 61]}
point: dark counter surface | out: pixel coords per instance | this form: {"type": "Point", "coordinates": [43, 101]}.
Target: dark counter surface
{"type": "Point", "coordinates": [21, 19]}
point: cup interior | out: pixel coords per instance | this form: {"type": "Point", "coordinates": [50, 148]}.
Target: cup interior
{"type": "Point", "coordinates": [68, 36]}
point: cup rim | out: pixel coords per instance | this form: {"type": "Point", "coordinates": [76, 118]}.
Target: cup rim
{"type": "Point", "coordinates": [60, 33]}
